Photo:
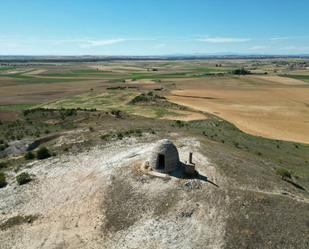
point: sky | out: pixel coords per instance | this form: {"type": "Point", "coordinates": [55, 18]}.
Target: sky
{"type": "Point", "coordinates": [153, 27]}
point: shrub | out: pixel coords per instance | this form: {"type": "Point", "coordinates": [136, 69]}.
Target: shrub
{"type": "Point", "coordinates": [179, 123]}
{"type": "Point", "coordinates": [43, 153]}
{"type": "Point", "coordinates": [23, 178]}
{"type": "Point", "coordinates": [241, 71]}
{"type": "Point", "coordinates": [3, 182]}
{"type": "Point", "coordinates": [236, 144]}
{"type": "Point", "coordinates": [138, 132]}
{"type": "Point", "coordinates": [104, 136]}
{"type": "Point", "coordinates": [29, 155]}
{"type": "Point", "coordinates": [119, 135]}
{"type": "Point", "coordinates": [3, 165]}
{"type": "Point", "coordinates": [91, 129]}
{"type": "Point", "coordinates": [117, 113]}
{"type": "Point", "coordinates": [283, 172]}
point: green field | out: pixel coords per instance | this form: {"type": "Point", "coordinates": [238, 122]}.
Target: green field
{"type": "Point", "coordinates": [298, 77]}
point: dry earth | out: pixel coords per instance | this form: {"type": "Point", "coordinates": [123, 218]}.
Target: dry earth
{"type": "Point", "coordinates": [259, 107]}
{"type": "Point", "coordinates": [99, 199]}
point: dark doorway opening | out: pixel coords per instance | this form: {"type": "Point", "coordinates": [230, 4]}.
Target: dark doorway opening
{"type": "Point", "coordinates": [161, 162]}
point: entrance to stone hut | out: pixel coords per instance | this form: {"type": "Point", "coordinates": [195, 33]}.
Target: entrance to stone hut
{"type": "Point", "coordinates": [161, 165]}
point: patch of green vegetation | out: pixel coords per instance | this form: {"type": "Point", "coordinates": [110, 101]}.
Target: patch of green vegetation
{"type": "Point", "coordinates": [284, 153]}
{"type": "Point", "coordinates": [142, 75]}
{"type": "Point", "coordinates": [81, 73]}
{"type": "Point", "coordinates": [43, 153]}
{"type": "Point", "coordinates": [304, 78]}
{"type": "Point", "coordinates": [16, 107]}
{"type": "Point", "coordinates": [3, 182]}
{"type": "Point", "coordinates": [283, 172]}
{"type": "Point", "coordinates": [29, 155]}
{"type": "Point", "coordinates": [39, 122]}
{"type": "Point", "coordinates": [212, 70]}
{"type": "Point", "coordinates": [180, 124]}
{"type": "Point", "coordinates": [146, 98]}
{"type": "Point", "coordinates": [121, 100]}
{"type": "Point", "coordinates": [4, 68]}
{"type": "Point", "coordinates": [112, 99]}
{"type": "Point", "coordinates": [160, 112]}
{"type": "Point", "coordinates": [34, 79]}
{"type": "Point", "coordinates": [241, 71]}
{"type": "Point", "coordinates": [119, 135]}
{"type": "Point", "coordinates": [4, 165]}
{"type": "Point", "coordinates": [23, 178]}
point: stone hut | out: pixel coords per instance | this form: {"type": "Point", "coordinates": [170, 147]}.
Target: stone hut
{"type": "Point", "coordinates": [164, 157]}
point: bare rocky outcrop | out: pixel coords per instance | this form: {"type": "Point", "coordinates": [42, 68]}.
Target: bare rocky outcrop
{"type": "Point", "coordinates": [100, 199]}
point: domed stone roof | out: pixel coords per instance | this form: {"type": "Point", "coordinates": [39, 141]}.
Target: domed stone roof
{"type": "Point", "coordinates": [164, 157]}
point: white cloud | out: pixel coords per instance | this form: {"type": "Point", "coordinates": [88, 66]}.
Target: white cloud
{"type": "Point", "coordinates": [296, 48]}
{"type": "Point", "coordinates": [288, 38]}
{"type": "Point", "coordinates": [258, 47]}
{"type": "Point", "coordinates": [99, 43]}
{"type": "Point", "coordinates": [223, 40]}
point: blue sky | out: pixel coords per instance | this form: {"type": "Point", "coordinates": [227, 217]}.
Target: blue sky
{"type": "Point", "coordinates": [153, 27]}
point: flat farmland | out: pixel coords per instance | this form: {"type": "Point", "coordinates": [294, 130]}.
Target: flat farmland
{"type": "Point", "coordinates": [272, 101]}
{"type": "Point", "coordinates": [273, 107]}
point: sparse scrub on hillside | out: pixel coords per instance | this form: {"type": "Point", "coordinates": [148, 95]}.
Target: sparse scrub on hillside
{"type": "Point", "coordinates": [127, 133]}
{"type": "Point", "coordinates": [3, 165]}
{"type": "Point", "coordinates": [179, 124]}
{"type": "Point", "coordinates": [43, 153]}
{"type": "Point", "coordinates": [29, 155]}
{"type": "Point", "coordinates": [3, 182]}
{"type": "Point", "coordinates": [118, 113]}
{"type": "Point", "coordinates": [241, 71]}
{"type": "Point", "coordinates": [283, 172]}
{"type": "Point", "coordinates": [23, 178]}
{"type": "Point", "coordinates": [147, 98]}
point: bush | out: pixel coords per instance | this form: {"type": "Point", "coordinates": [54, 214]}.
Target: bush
{"type": "Point", "coordinates": [3, 165]}
{"type": "Point", "coordinates": [241, 71]}
{"type": "Point", "coordinates": [283, 172]}
{"type": "Point", "coordinates": [23, 178]}
{"type": "Point", "coordinates": [3, 182]}
{"type": "Point", "coordinates": [179, 123]}
{"type": "Point", "coordinates": [43, 153]}
{"type": "Point", "coordinates": [105, 136]}
{"type": "Point", "coordinates": [29, 155]}
{"type": "Point", "coordinates": [119, 135]}
{"type": "Point", "coordinates": [117, 113]}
